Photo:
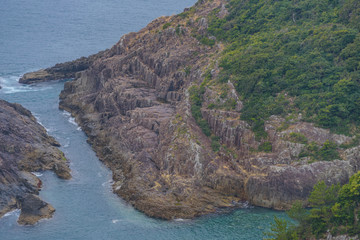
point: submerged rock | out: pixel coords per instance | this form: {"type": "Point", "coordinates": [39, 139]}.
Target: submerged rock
{"type": "Point", "coordinates": [25, 147]}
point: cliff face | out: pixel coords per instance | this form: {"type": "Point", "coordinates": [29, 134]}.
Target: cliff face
{"type": "Point", "coordinates": [133, 103]}
{"type": "Point", "coordinates": [25, 147]}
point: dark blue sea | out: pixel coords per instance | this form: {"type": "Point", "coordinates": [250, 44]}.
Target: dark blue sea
{"type": "Point", "coordinates": [36, 34]}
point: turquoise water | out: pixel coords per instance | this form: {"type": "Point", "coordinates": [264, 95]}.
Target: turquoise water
{"type": "Point", "coordinates": [39, 33]}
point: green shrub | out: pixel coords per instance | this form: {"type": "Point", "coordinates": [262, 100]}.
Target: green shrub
{"type": "Point", "coordinates": [166, 25]}
{"type": "Point", "coordinates": [178, 30]}
{"type": "Point", "coordinates": [187, 71]}
{"type": "Point", "coordinates": [265, 147]}
{"type": "Point", "coordinates": [297, 138]}
{"type": "Point", "coordinates": [207, 41]}
{"type": "Point", "coordinates": [332, 208]}
{"type": "Point", "coordinates": [328, 151]}
{"type": "Point", "coordinates": [211, 106]}
{"type": "Point", "coordinates": [215, 144]}
{"type": "Point", "coordinates": [196, 95]}
{"type": "Point", "coordinates": [353, 143]}
{"type": "Point", "coordinates": [278, 230]}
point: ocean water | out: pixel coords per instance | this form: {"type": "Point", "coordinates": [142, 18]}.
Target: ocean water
{"type": "Point", "coordinates": [36, 34]}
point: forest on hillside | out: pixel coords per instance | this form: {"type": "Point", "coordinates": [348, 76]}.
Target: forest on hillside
{"type": "Point", "coordinates": [298, 56]}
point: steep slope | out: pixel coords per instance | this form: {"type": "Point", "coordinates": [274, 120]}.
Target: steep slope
{"type": "Point", "coordinates": [135, 110]}
{"type": "Point", "coordinates": [25, 147]}
{"type": "Point", "coordinates": [159, 112]}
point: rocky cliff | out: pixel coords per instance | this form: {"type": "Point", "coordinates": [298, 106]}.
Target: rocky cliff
{"type": "Point", "coordinates": [133, 102]}
{"type": "Point", "coordinates": [25, 147]}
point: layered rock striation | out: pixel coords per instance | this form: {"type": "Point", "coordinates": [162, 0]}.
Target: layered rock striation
{"type": "Point", "coordinates": [133, 103]}
{"type": "Point", "coordinates": [25, 147]}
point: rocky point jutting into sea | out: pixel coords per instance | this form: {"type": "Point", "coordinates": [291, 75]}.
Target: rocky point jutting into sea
{"type": "Point", "coordinates": [133, 103]}
{"type": "Point", "coordinates": [26, 148]}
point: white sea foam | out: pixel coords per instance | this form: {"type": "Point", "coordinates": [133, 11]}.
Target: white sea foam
{"type": "Point", "coordinates": [181, 220]}
{"type": "Point", "coordinates": [38, 174]}
{"type": "Point", "coordinates": [38, 119]}
{"type": "Point", "coordinates": [10, 90]}
{"type": "Point", "coordinates": [65, 113]}
{"type": "Point", "coordinates": [8, 80]}
{"type": "Point", "coordinates": [15, 212]}
{"type": "Point", "coordinates": [245, 204]}
{"type": "Point", "coordinates": [10, 85]}
{"type": "Point", "coordinates": [72, 121]}
{"type": "Point", "coordinates": [67, 143]}
{"type": "Point", "coordinates": [107, 183]}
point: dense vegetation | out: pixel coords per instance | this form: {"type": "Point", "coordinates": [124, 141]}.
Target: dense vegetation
{"type": "Point", "coordinates": [299, 56]}
{"type": "Point", "coordinates": [333, 208]}
{"type": "Point", "coordinates": [327, 152]}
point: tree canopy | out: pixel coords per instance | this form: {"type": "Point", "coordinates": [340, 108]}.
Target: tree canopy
{"type": "Point", "coordinates": [299, 56]}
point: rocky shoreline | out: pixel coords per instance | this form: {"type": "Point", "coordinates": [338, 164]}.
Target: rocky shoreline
{"type": "Point", "coordinates": [25, 148]}
{"type": "Point", "coordinates": [60, 71]}
{"type": "Point", "coordinates": [133, 103]}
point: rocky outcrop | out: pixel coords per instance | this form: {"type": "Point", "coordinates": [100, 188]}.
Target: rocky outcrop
{"type": "Point", "coordinates": [33, 209]}
{"type": "Point", "coordinates": [25, 147]}
{"type": "Point", "coordinates": [65, 70]}
{"type": "Point", "coordinates": [133, 103]}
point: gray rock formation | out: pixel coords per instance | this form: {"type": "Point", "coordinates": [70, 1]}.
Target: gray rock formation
{"type": "Point", "coordinates": [33, 209]}
{"type": "Point", "coordinates": [25, 147]}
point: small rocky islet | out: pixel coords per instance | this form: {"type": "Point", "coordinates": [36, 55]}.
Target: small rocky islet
{"type": "Point", "coordinates": [25, 148]}
{"type": "Point", "coordinates": [134, 103]}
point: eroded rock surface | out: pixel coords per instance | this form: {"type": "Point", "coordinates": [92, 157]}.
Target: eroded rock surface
{"type": "Point", "coordinates": [133, 103]}
{"type": "Point", "coordinates": [25, 147]}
